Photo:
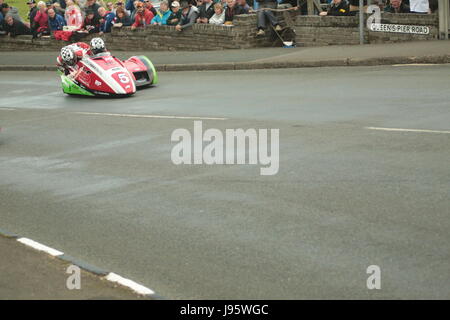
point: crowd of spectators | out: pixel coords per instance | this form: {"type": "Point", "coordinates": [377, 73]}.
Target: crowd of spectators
{"type": "Point", "coordinates": [74, 19]}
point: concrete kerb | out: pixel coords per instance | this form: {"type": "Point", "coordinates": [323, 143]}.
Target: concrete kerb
{"type": "Point", "coordinates": [96, 271]}
{"type": "Point", "coordinates": [431, 59]}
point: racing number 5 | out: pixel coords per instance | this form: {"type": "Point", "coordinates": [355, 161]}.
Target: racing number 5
{"type": "Point", "coordinates": [123, 78]}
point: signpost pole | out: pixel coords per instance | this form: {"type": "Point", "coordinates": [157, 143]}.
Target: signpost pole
{"type": "Point", "coordinates": [361, 21]}
{"type": "Point", "coordinates": [443, 19]}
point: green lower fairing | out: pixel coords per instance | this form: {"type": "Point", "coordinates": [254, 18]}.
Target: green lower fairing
{"type": "Point", "coordinates": [155, 75]}
{"type": "Point", "coordinates": [71, 87]}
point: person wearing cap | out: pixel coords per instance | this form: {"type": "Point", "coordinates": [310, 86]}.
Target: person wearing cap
{"type": "Point", "coordinates": [189, 15]}
{"type": "Point", "coordinates": [162, 14]}
{"type": "Point", "coordinates": [175, 16]}
{"type": "Point", "coordinates": [143, 17]}
{"type": "Point", "coordinates": [32, 13]}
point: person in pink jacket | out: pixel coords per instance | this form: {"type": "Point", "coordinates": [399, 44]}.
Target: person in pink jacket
{"type": "Point", "coordinates": [41, 20]}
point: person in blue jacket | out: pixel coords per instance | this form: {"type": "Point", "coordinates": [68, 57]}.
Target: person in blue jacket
{"type": "Point", "coordinates": [106, 20]}
{"type": "Point", "coordinates": [55, 21]}
{"type": "Point", "coordinates": [163, 14]}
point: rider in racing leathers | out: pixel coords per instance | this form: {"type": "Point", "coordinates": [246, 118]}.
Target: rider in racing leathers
{"type": "Point", "coordinates": [67, 61]}
{"type": "Point", "coordinates": [97, 46]}
{"type": "Point", "coordinates": [70, 55]}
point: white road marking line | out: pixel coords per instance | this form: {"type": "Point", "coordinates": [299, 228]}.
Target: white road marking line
{"type": "Point", "coordinates": [136, 287]}
{"type": "Point", "coordinates": [8, 109]}
{"type": "Point", "coordinates": [407, 130]}
{"type": "Point", "coordinates": [40, 247]}
{"type": "Point", "coordinates": [416, 64]}
{"type": "Point", "coordinates": [148, 116]}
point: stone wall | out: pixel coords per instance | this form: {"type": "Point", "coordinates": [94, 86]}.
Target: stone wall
{"type": "Point", "coordinates": [322, 31]}
{"type": "Point", "coordinates": [310, 31]}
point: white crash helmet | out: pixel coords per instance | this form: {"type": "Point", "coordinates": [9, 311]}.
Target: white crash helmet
{"type": "Point", "coordinates": [68, 55]}
{"type": "Point", "coordinates": [97, 45]}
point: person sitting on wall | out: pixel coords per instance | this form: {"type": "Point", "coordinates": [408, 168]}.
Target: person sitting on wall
{"type": "Point", "coordinates": [265, 16]}
{"type": "Point", "coordinates": [163, 14]}
{"type": "Point", "coordinates": [142, 18]}
{"type": "Point", "coordinates": [206, 11]}
{"type": "Point", "coordinates": [397, 6]}
{"type": "Point", "coordinates": [337, 8]}
{"type": "Point", "coordinates": [175, 16]}
{"type": "Point", "coordinates": [219, 15]}
{"type": "Point", "coordinates": [189, 14]}
{"type": "Point", "coordinates": [14, 27]}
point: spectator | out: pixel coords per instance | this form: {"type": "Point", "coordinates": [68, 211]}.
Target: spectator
{"type": "Point", "coordinates": [62, 4]}
{"type": "Point", "coordinates": [149, 6]}
{"type": "Point", "coordinates": [419, 6]}
{"type": "Point", "coordinates": [162, 15]}
{"type": "Point", "coordinates": [32, 13]}
{"type": "Point", "coordinates": [397, 6]}
{"type": "Point", "coordinates": [206, 11]}
{"type": "Point", "coordinates": [337, 8]}
{"type": "Point", "coordinates": [244, 7]}
{"type": "Point", "coordinates": [14, 27]}
{"type": "Point", "coordinates": [58, 9]}
{"type": "Point", "coordinates": [94, 6]}
{"type": "Point", "coordinates": [130, 5]}
{"type": "Point", "coordinates": [189, 14]}
{"type": "Point", "coordinates": [175, 16]}
{"type": "Point", "coordinates": [219, 15]}
{"type": "Point", "coordinates": [41, 20]}
{"type": "Point", "coordinates": [12, 11]}
{"type": "Point", "coordinates": [119, 5]}
{"type": "Point", "coordinates": [143, 17]}
{"type": "Point", "coordinates": [106, 20]}
{"type": "Point", "coordinates": [91, 23]}
{"type": "Point", "coordinates": [284, 4]}
{"type": "Point", "coordinates": [73, 16]}
{"type": "Point", "coordinates": [231, 10]}
{"type": "Point", "coordinates": [55, 21]}
{"type": "Point", "coordinates": [265, 16]}
{"type": "Point", "coordinates": [122, 18]}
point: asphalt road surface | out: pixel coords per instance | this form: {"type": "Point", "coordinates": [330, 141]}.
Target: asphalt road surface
{"type": "Point", "coordinates": [102, 187]}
